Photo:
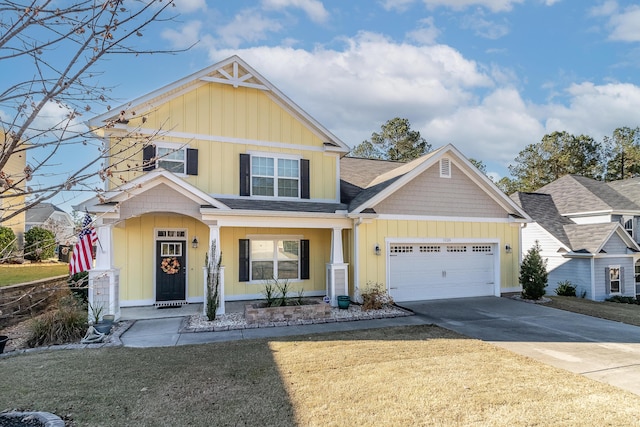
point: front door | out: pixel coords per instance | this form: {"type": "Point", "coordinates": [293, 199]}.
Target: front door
{"type": "Point", "coordinates": [170, 271]}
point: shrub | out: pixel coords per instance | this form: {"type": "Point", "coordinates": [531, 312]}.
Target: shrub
{"type": "Point", "coordinates": [533, 274]}
{"type": "Point", "coordinates": [66, 324]}
{"type": "Point", "coordinates": [79, 286]}
{"type": "Point", "coordinates": [623, 300]}
{"type": "Point", "coordinates": [566, 289]}
{"type": "Point", "coordinates": [39, 244]}
{"type": "Point", "coordinates": [375, 297]}
{"type": "Point", "coordinates": [275, 293]}
{"type": "Point", "coordinates": [7, 243]}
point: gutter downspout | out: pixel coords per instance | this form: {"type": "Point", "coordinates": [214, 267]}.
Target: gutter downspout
{"type": "Point", "coordinates": [356, 258]}
{"type": "Point", "coordinates": [593, 277]}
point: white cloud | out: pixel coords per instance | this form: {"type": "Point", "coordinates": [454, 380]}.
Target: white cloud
{"type": "Point", "coordinates": [595, 110]}
{"type": "Point", "coordinates": [625, 25]}
{"type": "Point", "coordinates": [483, 27]}
{"type": "Point", "coordinates": [426, 33]}
{"type": "Point", "coordinates": [248, 25]}
{"type": "Point", "coordinates": [492, 5]}
{"type": "Point", "coordinates": [189, 6]}
{"type": "Point", "coordinates": [185, 36]}
{"type": "Point", "coordinates": [313, 8]}
{"type": "Point", "coordinates": [397, 5]}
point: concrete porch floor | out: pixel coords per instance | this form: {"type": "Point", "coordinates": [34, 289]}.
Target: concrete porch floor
{"type": "Point", "coordinates": [147, 312]}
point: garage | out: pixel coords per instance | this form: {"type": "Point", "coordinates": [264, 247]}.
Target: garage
{"type": "Point", "coordinates": [423, 271]}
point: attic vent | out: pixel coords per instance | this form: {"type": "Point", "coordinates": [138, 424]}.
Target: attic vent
{"type": "Point", "coordinates": [445, 168]}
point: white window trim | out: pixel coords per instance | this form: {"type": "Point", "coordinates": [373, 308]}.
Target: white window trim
{"type": "Point", "coordinates": [174, 147]}
{"type": "Point", "coordinates": [156, 231]}
{"type": "Point", "coordinates": [624, 221]}
{"type": "Point", "coordinates": [274, 238]}
{"type": "Point", "coordinates": [619, 291]}
{"type": "Point", "coordinates": [275, 157]}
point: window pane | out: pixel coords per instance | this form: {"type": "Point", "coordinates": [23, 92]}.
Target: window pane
{"type": "Point", "coordinates": [288, 187]}
{"type": "Point", "coordinates": [262, 186]}
{"type": "Point", "coordinates": [175, 167]}
{"type": "Point", "coordinates": [287, 269]}
{"type": "Point", "coordinates": [171, 154]}
{"type": "Point", "coordinates": [262, 166]}
{"type": "Point", "coordinates": [262, 250]}
{"type": "Point", "coordinates": [261, 270]}
{"type": "Point", "coordinates": [288, 249]}
{"type": "Point", "coordinates": [288, 168]}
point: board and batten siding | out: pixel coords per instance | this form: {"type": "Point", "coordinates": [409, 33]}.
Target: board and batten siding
{"type": "Point", "coordinates": [429, 194]}
{"type": "Point", "coordinates": [373, 268]}
{"type": "Point", "coordinates": [247, 118]}
{"type": "Point", "coordinates": [134, 255]}
{"type": "Point", "coordinates": [319, 255]}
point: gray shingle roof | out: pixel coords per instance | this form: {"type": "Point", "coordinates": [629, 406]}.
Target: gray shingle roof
{"type": "Point", "coordinates": [40, 213]}
{"type": "Point", "coordinates": [589, 237]}
{"type": "Point", "coordinates": [282, 206]}
{"type": "Point", "coordinates": [542, 209]}
{"type": "Point", "coordinates": [573, 193]}
{"type": "Point", "coordinates": [630, 188]}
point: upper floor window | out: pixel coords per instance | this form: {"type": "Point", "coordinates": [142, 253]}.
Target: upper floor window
{"type": "Point", "coordinates": [628, 225]}
{"type": "Point", "coordinates": [274, 176]}
{"type": "Point", "coordinates": [174, 158]}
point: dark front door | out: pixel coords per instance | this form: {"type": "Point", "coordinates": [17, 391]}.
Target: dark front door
{"type": "Point", "coordinates": [170, 271]}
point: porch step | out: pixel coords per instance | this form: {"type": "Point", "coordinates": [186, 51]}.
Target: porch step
{"type": "Point", "coordinates": [169, 304]}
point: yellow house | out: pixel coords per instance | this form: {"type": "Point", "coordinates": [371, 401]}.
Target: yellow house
{"type": "Point", "coordinates": [11, 198]}
{"type": "Point", "coordinates": [225, 157]}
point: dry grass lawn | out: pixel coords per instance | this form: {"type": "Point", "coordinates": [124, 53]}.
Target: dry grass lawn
{"type": "Point", "coordinates": [420, 375]}
{"type": "Point", "coordinates": [625, 313]}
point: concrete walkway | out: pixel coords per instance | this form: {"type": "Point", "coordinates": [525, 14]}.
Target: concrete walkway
{"type": "Point", "coordinates": [599, 349]}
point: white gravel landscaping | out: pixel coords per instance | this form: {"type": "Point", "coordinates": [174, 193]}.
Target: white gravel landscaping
{"type": "Point", "coordinates": [232, 321]}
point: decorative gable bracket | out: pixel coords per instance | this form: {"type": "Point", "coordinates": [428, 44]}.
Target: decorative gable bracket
{"type": "Point", "coordinates": [236, 77]}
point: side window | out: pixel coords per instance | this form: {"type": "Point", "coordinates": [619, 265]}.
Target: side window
{"type": "Point", "coordinates": [273, 258]}
{"type": "Point", "coordinates": [614, 277]}
{"type": "Point", "coordinates": [173, 158]}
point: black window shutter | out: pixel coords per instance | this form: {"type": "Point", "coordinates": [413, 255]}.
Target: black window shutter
{"type": "Point", "coordinates": [245, 175]}
{"type": "Point", "coordinates": [192, 161]}
{"type": "Point", "coordinates": [304, 259]}
{"type": "Point", "coordinates": [148, 153]}
{"type": "Point", "coordinates": [607, 280]}
{"type": "Point", "coordinates": [304, 179]}
{"type": "Point", "coordinates": [243, 261]}
{"type": "Point", "coordinates": [622, 280]}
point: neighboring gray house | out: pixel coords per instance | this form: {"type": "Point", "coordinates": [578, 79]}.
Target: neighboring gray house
{"type": "Point", "coordinates": [588, 232]}
{"type": "Point", "coordinates": [48, 216]}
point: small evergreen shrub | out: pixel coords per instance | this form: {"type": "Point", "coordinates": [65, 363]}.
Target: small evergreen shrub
{"type": "Point", "coordinates": [275, 293]}
{"type": "Point", "coordinates": [66, 324]}
{"type": "Point", "coordinates": [7, 243]}
{"type": "Point", "coordinates": [533, 274]}
{"type": "Point", "coordinates": [623, 300]}
{"type": "Point", "coordinates": [39, 244]}
{"type": "Point", "coordinates": [375, 297]}
{"type": "Point", "coordinates": [566, 289]}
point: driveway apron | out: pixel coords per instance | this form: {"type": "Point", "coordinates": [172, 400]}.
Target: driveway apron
{"type": "Point", "coordinates": [600, 349]}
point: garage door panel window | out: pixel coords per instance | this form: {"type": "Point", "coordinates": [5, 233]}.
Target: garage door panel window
{"type": "Point", "coordinates": [457, 248]}
{"type": "Point", "coordinates": [401, 249]}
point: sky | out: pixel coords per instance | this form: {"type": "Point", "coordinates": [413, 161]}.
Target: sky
{"type": "Point", "coordinates": [488, 76]}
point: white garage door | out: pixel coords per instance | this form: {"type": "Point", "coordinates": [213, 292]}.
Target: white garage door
{"type": "Point", "coordinates": [421, 271]}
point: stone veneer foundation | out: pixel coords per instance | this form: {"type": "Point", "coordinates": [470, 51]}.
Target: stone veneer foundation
{"type": "Point", "coordinates": [259, 314]}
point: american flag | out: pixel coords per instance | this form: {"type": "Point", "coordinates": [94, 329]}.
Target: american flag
{"type": "Point", "coordinates": [81, 259]}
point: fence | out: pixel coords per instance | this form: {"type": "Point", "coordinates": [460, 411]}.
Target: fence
{"type": "Point", "coordinates": [18, 302]}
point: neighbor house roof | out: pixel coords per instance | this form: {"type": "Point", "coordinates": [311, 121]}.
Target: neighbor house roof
{"type": "Point", "coordinates": [543, 210]}
{"type": "Point", "coordinates": [41, 212]}
{"type": "Point", "coordinates": [577, 194]}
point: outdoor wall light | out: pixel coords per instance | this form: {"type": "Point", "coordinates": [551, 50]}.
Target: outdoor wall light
{"type": "Point", "coordinates": [376, 249]}
{"type": "Point", "coordinates": [507, 248]}
{"type": "Point", "coordinates": [194, 243]}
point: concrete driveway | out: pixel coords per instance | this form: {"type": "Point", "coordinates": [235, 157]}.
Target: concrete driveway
{"type": "Point", "coordinates": [600, 349]}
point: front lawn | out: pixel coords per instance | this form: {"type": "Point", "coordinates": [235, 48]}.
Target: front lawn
{"type": "Point", "coordinates": [15, 274]}
{"type": "Point", "coordinates": [625, 313]}
{"type": "Point", "coordinates": [418, 375]}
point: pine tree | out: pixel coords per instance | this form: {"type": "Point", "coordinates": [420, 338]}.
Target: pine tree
{"type": "Point", "coordinates": [533, 274]}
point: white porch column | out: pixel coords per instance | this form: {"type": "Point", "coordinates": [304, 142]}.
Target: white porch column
{"type": "Point", "coordinates": [214, 236]}
{"type": "Point", "coordinates": [104, 278]}
{"type": "Point", "coordinates": [104, 247]}
{"type": "Point", "coordinates": [337, 269]}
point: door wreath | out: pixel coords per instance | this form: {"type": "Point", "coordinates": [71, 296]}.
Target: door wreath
{"type": "Point", "coordinates": [170, 265]}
